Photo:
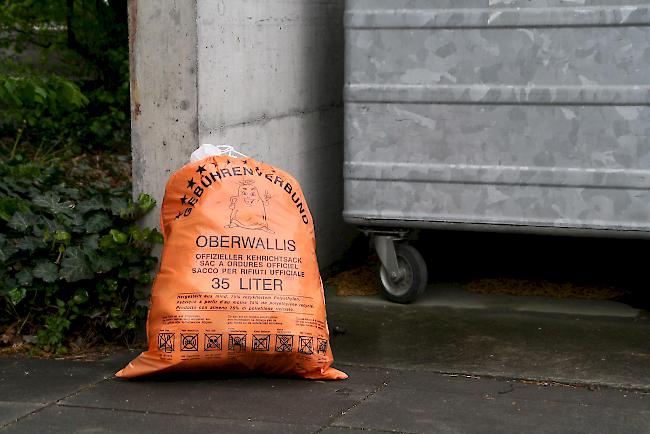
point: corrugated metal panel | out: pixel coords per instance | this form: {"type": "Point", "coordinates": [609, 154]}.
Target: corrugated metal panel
{"type": "Point", "coordinates": [533, 113]}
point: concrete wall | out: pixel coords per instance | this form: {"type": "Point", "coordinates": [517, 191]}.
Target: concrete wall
{"type": "Point", "coordinates": [264, 76]}
{"type": "Point", "coordinates": [164, 124]}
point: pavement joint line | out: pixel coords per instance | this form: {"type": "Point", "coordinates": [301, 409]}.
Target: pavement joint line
{"type": "Point", "coordinates": [645, 389]}
{"type": "Point", "coordinates": [19, 418]}
{"type": "Point", "coordinates": [52, 403]}
{"type": "Point", "coordinates": [167, 413]}
{"type": "Point", "coordinates": [370, 430]}
{"type": "Point", "coordinates": [355, 404]}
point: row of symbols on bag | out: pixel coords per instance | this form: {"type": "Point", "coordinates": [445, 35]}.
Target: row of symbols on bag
{"type": "Point", "coordinates": [238, 342]}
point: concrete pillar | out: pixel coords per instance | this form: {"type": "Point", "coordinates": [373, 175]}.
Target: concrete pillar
{"type": "Point", "coordinates": [265, 76]}
{"type": "Point", "coordinates": [164, 123]}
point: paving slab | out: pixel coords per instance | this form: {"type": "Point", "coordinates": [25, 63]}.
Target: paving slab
{"type": "Point", "coordinates": [517, 390]}
{"type": "Point", "coordinates": [280, 400]}
{"type": "Point", "coordinates": [22, 379]}
{"type": "Point", "coordinates": [11, 411]}
{"type": "Point", "coordinates": [421, 402]}
{"type": "Point", "coordinates": [374, 400]}
{"type": "Point", "coordinates": [450, 295]}
{"type": "Point", "coordinates": [502, 342]}
{"type": "Point", "coordinates": [61, 419]}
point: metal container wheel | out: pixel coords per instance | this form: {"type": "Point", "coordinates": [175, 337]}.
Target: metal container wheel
{"type": "Point", "coordinates": [410, 278]}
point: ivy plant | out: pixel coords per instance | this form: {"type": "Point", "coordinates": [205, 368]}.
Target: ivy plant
{"type": "Point", "coordinates": [74, 263]}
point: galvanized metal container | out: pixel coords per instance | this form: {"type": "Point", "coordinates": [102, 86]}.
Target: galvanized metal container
{"type": "Point", "coordinates": [498, 114]}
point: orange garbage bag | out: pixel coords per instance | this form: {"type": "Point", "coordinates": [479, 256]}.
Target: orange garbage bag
{"type": "Point", "coordinates": [239, 288]}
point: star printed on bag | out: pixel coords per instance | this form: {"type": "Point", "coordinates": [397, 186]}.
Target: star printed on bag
{"type": "Point", "coordinates": [200, 169]}
{"type": "Point", "coordinates": [244, 161]}
{"type": "Point", "coordinates": [184, 199]}
{"type": "Point", "coordinates": [191, 183]}
{"type": "Point", "coordinates": [179, 215]}
{"type": "Point", "coordinates": [227, 161]}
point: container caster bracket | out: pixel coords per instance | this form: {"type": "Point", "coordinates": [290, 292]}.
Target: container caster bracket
{"type": "Point", "coordinates": [385, 247]}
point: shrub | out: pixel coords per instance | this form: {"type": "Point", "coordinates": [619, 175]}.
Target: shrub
{"type": "Point", "coordinates": [74, 262]}
{"type": "Point", "coordinates": [64, 78]}
{"type": "Point", "coordinates": [44, 107]}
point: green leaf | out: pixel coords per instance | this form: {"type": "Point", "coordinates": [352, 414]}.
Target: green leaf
{"type": "Point", "coordinates": [106, 242]}
{"type": "Point", "coordinates": [10, 92]}
{"type": "Point", "coordinates": [72, 94]}
{"type": "Point", "coordinates": [9, 206]}
{"type": "Point", "coordinates": [75, 266]}
{"type": "Point", "coordinates": [24, 277]}
{"type": "Point", "coordinates": [145, 278]}
{"type": "Point", "coordinates": [155, 237]}
{"type": "Point", "coordinates": [46, 271]}
{"type": "Point", "coordinates": [17, 295]}
{"type": "Point", "coordinates": [47, 200]}
{"type": "Point", "coordinates": [90, 242]}
{"type": "Point", "coordinates": [62, 236]}
{"type": "Point", "coordinates": [30, 244]}
{"type": "Point", "coordinates": [98, 222]}
{"type": "Point", "coordinates": [93, 204]}
{"type": "Point", "coordinates": [74, 221]}
{"type": "Point", "coordinates": [128, 213]}
{"type": "Point", "coordinates": [146, 202]}
{"type": "Point", "coordinates": [116, 312]}
{"type": "Point", "coordinates": [45, 227]}
{"type": "Point", "coordinates": [52, 202]}
{"type": "Point", "coordinates": [21, 221]}
{"type": "Point", "coordinates": [119, 206]}
{"type": "Point", "coordinates": [80, 296]}
{"type": "Point", "coordinates": [111, 284]}
{"type": "Point", "coordinates": [40, 93]}
{"type": "Point", "coordinates": [136, 233]}
{"type": "Point", "coordinates": [118, 236]}
{"type": "Point", "coordinates": [105, 262]}
{"type": "Point", "coordinates": [7, 285]}
{"type": "Point", "coordinates": [6, 249]}
{"type": "Point", "coordinates": [69, 193]}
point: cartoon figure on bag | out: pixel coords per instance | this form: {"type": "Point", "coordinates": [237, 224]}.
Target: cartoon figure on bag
{"type": "Point", "coordinates": [248, 209]}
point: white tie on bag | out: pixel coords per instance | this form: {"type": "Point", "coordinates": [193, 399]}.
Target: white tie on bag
{"type": "Point", "coordinates": [209, 150]}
